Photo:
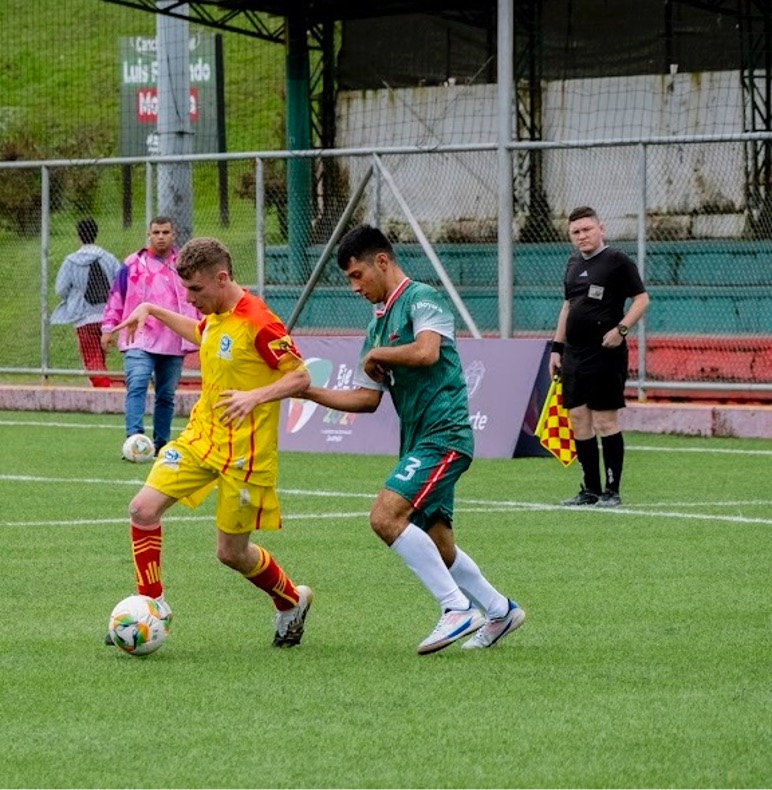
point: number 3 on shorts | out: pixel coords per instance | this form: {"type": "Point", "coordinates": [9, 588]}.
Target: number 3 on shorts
{"type": "Point", "coordinates": [411, 467]}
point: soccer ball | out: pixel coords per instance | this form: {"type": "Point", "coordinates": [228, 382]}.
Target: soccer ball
{"type": "Point", "coordinates": [138, 626]}
{"type": "Point", "coordinates": [139, 449]}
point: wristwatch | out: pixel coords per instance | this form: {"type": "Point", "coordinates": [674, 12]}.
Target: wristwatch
{"type": "Point", "coordinates": [623, 330]}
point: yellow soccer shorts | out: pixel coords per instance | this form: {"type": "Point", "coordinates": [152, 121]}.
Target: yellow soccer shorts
{"type": "Point", "coordinates": [180, 473]}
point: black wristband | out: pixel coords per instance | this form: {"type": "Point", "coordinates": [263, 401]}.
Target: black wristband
{"type": "Point", "coordinates": [557, 348]}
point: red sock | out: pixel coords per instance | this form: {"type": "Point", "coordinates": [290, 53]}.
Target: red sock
{"type": "Point", "coordinates": [269, 576]}
{"type": "Point", "coordinates": [146, 548]}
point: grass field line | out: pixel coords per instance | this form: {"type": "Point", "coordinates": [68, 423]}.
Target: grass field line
{"type": "Point", "coordinates": [76, 480]}
{"type": "Point", "coordinates": [463, 506]}
{"type": "Point", "coordinates": [619, 511]}
{"type": "Point", "coordinates": [716, 503]}
{"type": "Point", "coordinates": [498, 504]}
{"type": "Point", "coordinates": [513, 507]}
{"type": "Point", "coordinates": [711, 450]}
{"type": "Point", "coordinates": [204, 518]}
{"type": "Point", "coordinates": [634, 447]}
{"type": "Point", "coordinates": [55, 424]}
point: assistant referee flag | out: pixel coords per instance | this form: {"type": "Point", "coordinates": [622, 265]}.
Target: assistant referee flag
{"type": "Point", "coordinates": [554, 426]}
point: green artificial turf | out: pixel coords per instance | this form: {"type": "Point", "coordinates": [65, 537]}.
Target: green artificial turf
{"type": "Point", "coordinates": [644, 661]}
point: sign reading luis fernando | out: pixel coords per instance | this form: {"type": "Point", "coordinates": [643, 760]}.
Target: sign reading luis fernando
{"type": "Point", "coordinates": [139, 95]}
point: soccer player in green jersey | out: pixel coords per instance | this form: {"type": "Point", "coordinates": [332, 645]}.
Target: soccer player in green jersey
{"type": "Point", "coordinates": [410, 351]}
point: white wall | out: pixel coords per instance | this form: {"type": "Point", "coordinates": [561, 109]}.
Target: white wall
{"type": "Point", "coordinates": [693, 190]}
{"type": "Point", "coordinates": [440, 188]}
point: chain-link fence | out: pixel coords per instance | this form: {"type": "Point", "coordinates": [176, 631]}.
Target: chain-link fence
{"type": "Point", "coordinates": [677, 207]}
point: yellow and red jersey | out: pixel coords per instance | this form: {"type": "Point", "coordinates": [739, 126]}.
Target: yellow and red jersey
{"type": "Point", "coordinates": [246, 348]}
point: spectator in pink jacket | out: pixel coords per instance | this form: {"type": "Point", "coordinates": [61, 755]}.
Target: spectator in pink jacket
{"type": "Point", "coordinates": [150, 275]}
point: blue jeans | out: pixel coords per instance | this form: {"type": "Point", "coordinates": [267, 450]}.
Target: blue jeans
{"type": "Point", "coordinates": [139, 367]}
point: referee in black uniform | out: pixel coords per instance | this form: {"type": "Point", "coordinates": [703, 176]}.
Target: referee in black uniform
{"type": "Point", "coordinates": [590, 351]}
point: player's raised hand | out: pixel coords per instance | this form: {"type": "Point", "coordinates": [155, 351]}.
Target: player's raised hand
{"type": "Point", "coordinates": [135, 321]}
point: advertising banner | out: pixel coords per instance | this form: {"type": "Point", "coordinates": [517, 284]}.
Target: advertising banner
{"type": "Point", "coordinates": [500, 377]}
{"type": "Point", "coordinates": [139, 95]}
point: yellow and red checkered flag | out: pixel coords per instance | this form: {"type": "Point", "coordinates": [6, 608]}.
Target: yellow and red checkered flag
{"type": "Point", "coordinates": [554, 427]}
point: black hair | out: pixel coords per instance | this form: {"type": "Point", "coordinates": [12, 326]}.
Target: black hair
{"type": "Point", "coordinates": [87, 230]}
{"type": "Point", "coordinates": [583, 212]}
{"type": "Point", "coordinates": [361, 243]}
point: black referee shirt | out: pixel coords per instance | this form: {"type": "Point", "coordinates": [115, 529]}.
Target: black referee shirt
{"type": "Point", "coordinates": [596, 289]}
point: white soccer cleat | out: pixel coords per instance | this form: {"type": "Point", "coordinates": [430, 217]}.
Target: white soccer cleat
{"type": "Point", "coordinates": [454, 624]}
{"type": "Point", "coordinates": [290, 624]}
{"type": "Point", "coordinates": [496, 628]}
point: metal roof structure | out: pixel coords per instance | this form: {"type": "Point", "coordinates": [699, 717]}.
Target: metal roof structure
{"type": "Point", "coordinates": [244, 16]}
{"type": "Point", "coordinates": [248, 16]}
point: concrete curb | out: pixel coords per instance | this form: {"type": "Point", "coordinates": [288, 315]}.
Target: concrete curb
{"type": "Point", "coordinates": [740, 420]}
{"type": "Point", "coordinates": [82, 399]}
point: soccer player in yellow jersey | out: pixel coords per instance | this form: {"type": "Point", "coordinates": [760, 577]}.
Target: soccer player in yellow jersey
{"type": "Point", "coordinates": [248, 364]}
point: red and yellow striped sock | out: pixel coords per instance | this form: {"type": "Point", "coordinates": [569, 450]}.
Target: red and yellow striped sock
{"type": "Point", "coordinates": [146, 548]}
{"type": "Point", "coordinates": [268, 576]}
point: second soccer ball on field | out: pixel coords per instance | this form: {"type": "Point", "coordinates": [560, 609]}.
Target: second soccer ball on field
{"type": "Point", "coordinates": [139, 449]}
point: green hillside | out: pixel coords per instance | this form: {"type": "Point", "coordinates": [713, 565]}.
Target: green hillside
{"type": "Point", "coordinates": [60, 76]}
{"type": "Point", "coordinates": [60, 86]}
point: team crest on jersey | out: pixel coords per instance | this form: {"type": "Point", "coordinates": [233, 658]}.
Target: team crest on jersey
{"type": "Point", "coordinates": [225, 350]}
{"type": "Point", "coordinates": [171, 458]}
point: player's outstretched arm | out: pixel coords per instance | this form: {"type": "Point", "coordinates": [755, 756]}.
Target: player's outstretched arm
{"type": "Point", "coordinates": [356, 400]}
{"type": "Point", "coordinates": [237, 404]}
{"type": "Point", "coordinates": [135, 322]}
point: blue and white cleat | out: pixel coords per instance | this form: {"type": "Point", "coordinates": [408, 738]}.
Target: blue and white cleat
{"type": "Point", "coordinates": [496, 628]}
{"type": "Point", "coordinates": [454, 624]}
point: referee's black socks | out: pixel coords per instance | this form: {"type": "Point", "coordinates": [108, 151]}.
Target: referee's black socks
{"type": "Point", "coordinates": [589, 458]}
{"type": "Point", "coordinates": [613, 459]}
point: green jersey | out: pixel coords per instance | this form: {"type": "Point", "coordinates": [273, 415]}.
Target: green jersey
{"type": "Point", "coordinates": [431, 401]}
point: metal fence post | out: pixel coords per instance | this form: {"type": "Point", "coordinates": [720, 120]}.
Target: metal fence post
{"type": "Point", "coordinates": [260, 226]}
{"type": "Point", "coordinates": [642, 174]}
{"type": "Point", "coordinates": [45, 202]}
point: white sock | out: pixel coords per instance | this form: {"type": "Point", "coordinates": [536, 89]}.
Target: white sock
{"type": "Point", "coordinates": [469, 578]}
{"type": "Point", "coordinates": [420, 554]}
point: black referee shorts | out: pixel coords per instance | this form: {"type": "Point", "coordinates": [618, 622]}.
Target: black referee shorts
{"type": "Point", "coordinates": [595, 377]}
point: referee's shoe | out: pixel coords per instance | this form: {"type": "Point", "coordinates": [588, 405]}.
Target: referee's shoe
{"type": "Point", "coordinates": [584, 497]}
{"type": "Point", "coordinates": [609, 499]}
